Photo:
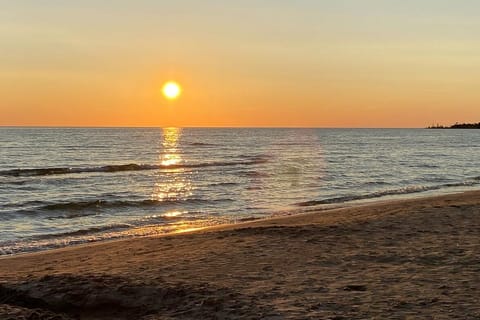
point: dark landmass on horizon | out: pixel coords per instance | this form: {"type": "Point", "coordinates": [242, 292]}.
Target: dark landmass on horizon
{"type": "Point", "coordinates": [457, 126]}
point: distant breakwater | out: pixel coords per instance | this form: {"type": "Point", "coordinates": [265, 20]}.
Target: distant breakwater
{"type": "Point", "coordinates": [457, 126]}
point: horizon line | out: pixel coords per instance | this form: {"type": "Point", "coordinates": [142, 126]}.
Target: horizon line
{"type": "Point", "coordinates": [201, 127]}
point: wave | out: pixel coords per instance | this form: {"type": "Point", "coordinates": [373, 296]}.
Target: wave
{"type": "Point", "coordinates": [77, 209]}
{"type": "Point", "coordinates": [70, 215]}
{"type": "Point", "coordinates": [82, 232]}
{"type": "Point", "coordinates": [123, 167]}
{"type": "Point", "coordinates": [379, 194]}
{"type": "Point", "coordinates": [221, 184]}
{"type": "Point", "coordinates": [104, 204]}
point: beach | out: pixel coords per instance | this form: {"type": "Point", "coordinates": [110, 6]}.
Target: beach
{"type": "Point", "coordinates": [398, 259]}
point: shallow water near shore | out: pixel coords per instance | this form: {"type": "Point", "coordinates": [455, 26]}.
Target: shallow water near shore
{"type": "Point", "coordinates": [62, 186]}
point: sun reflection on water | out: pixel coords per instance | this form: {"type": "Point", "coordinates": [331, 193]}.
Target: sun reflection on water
{"type": "Point", "coordinates": [170, 155]}
{"type": "Point", "coordinates": [172, 214]}
{"type": "Point", "coordinates": [174, 183]}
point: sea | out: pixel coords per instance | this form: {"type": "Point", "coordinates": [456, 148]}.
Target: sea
{"type": "Point", "coordinates": [65, 186]}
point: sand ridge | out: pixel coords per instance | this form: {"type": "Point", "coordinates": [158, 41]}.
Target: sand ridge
{"type": "Point", "coordinates": [407, 259]}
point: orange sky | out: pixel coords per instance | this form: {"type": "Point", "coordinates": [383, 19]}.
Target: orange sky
{"type": "Point", "coordinates": [304, 63]}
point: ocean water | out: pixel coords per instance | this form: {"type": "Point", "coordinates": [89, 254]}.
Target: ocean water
{"type": "Point", "coordinates": [63, 186]}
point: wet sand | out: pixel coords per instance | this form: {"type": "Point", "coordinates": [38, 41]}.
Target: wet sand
{"type": "Point", "coordinates": [406, 259]}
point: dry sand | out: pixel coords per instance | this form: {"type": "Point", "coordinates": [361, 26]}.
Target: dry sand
{"type": "Point", "coordinates": [409, 259]}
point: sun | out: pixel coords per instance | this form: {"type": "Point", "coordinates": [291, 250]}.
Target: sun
{"type": "Point", "coordinates": [171, 90]}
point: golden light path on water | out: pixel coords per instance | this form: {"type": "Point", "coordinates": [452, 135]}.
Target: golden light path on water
{"type": "Point", "coordinates": [170, 155]}
{"type": "Point", "coordinates": [172, 184]}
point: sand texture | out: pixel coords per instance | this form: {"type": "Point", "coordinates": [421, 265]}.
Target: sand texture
{"type": "Point", "coordinates": [408, 259]}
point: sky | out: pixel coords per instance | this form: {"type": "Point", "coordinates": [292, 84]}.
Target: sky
{"type": "Point", "coordinates": [254, 63]}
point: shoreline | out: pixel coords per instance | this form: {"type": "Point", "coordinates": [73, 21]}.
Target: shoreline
{"type": "Point", "coordinates": [255, 222]}
{"type": "Point", "coordinates": [403, 258]}
{"type": "Point", "coordinates": [188, 226]}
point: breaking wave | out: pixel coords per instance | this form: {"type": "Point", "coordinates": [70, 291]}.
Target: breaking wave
{"type": "Point", "coordinates": [124, 167]}
{"type": "Point", "coordinates": [384, 193]}
{"type": "Point", "coordinates": [94, 205]}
